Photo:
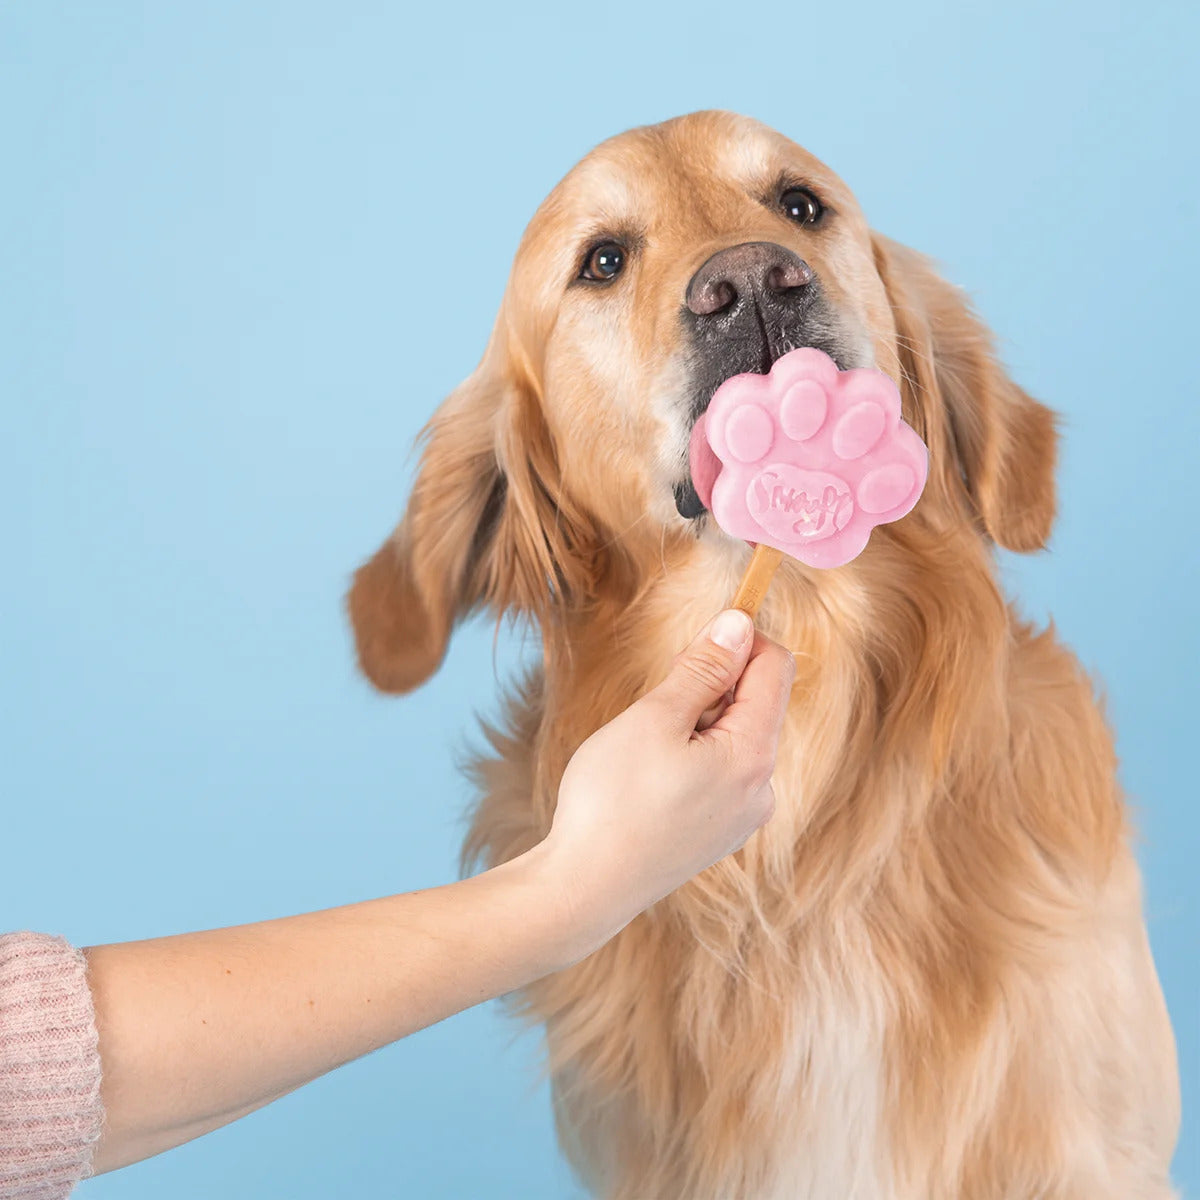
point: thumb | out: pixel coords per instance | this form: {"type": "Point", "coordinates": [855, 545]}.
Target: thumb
{"type": "Point", "coordinates": [706, 670]}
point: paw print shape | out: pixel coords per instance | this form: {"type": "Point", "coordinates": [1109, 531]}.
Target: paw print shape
{"type": "Point", "coordinates": [812, 458]}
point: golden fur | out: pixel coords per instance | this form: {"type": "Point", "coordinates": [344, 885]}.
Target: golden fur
{"type": "Point", "coordinates": [927, 977]}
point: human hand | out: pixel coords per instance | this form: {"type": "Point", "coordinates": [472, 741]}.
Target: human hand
{"type": "Point", "coordinates": [674, 783]}
{"type": "Point", "coordinates": [677, 781]}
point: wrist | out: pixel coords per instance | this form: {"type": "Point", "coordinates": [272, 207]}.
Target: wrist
{"type": "Point", "coordinates": [577, 912]}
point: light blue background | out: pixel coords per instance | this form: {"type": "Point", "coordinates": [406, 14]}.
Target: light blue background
{"type": "Point", "coordinates": [246, 247]}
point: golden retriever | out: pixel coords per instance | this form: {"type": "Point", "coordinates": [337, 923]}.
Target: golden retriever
{"type": "Point", "coordinates": [928, 975]}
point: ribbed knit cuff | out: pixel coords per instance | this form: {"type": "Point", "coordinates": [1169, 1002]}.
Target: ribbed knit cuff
{"type": "Point", "coordinates": [50, 1112]}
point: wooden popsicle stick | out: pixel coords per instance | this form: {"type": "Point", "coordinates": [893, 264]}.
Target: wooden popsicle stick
{"type": "Point", "coordinates": [756, 580]}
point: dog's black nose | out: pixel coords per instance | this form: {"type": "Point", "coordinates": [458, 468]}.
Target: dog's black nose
{"type": "Point", "coordinates": [764, 271]}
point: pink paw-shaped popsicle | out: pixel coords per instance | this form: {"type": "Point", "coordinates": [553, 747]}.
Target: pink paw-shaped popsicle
{"type": "Point", "coordinates": [808, 459]}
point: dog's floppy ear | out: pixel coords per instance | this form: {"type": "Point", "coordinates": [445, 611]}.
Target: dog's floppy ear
{"type": "Point", "coordinates": [994, 439]}
{"type": "Point", "coordinates": [486, 526]}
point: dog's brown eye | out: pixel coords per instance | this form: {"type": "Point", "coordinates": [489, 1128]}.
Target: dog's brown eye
{"type": "Point", "coordinates": [801, 206]}
{"type": "Point", "coordinates": [605, 262]}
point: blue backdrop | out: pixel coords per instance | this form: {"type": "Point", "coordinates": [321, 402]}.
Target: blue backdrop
{"type": "Point", "coordinates": [246, 247]}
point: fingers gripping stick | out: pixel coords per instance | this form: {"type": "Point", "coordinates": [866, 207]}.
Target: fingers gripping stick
{"type": "Point", "coordinates": [805, 461]}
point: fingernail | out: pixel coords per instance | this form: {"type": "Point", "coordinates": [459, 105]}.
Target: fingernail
{"type": "Point", "coordinates": [731, 629]}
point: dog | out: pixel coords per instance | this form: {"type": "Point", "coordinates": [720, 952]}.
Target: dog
{"type": "Point", "coordinates": [928, 975]}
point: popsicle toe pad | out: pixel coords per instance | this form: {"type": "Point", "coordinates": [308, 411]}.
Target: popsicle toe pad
{"type": "Point", "coordinates": [810, 458]}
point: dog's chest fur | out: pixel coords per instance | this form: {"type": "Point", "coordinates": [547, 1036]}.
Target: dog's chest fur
{"type": "Point", "coordinates": [695, 1058]}
{"type": "Point", "coordinates": [781, 1113]}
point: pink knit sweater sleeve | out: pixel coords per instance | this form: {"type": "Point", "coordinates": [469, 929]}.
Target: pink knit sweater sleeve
{"type": "Point", "coordinates": [50, 1112]}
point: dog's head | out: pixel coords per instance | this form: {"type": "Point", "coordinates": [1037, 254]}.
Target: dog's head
{"type": "Point", "coordinates": [669, 259]}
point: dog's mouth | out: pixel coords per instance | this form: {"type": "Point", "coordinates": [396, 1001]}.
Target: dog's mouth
{"type": "Point", "coordinates": [693, 494]}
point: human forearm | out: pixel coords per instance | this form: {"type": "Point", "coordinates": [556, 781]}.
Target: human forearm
{"type": "Point", "coordinates": [197, 1030]}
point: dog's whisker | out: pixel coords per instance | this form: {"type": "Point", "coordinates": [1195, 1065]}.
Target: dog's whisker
{"type": "Point", "coordinates": [616, 537]}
